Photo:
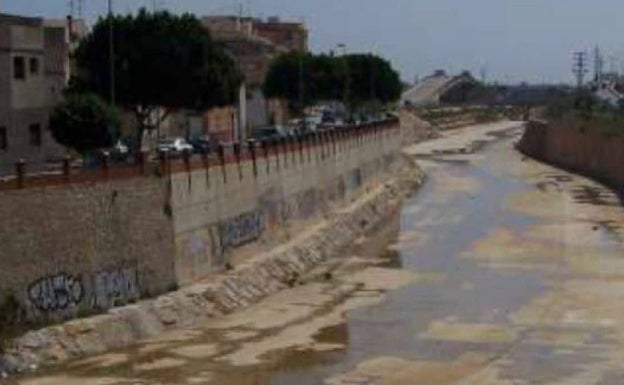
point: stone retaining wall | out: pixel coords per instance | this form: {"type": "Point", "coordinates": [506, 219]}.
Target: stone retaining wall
{"type": "Point", "coordinates": [250, 281]}
{"type": "Point", "coordinates": [79, 244]}
{"type": "Point", "coordinates": [578, 148]}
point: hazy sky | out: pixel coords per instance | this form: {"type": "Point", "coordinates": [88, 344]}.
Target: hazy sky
{"type": "Point", "coordinates": [516, 40]}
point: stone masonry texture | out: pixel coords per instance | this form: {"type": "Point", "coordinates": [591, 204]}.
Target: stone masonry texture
{"type": "Point", "coordinates": [79, 249]}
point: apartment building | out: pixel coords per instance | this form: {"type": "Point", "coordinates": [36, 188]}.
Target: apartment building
{"type": "Point", "coordinates": [293, 36]}
{"type": "Point", "coordinates": [33, 72]}
{"type": "Point", "coordinates": [253, 43]}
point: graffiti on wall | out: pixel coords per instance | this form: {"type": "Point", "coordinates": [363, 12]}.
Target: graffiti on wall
{"type": "Point", "coordinates": [242, 229]}
{"type": "Point", "coordinates": [307, 204]}
{"type": "Point", "coordinates": [203, 248]}
{"type": "Point", "coordinates": [111, 288]}
{"type": "Point", "coordinates": [56, 293]}
{"type": "Point", "coordinates": [65, 292]}
{"type": "Point", "coordinates": [338, 190]}
{"type": "Point", "coordinates": [353, 179]}
{"type": "Point", "coordinates": [269, 204]}
{"type": "Point", "coordinates": [299, 207]}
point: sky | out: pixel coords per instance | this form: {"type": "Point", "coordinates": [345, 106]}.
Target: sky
{"type": "Point", "coordinates": [509, 41]}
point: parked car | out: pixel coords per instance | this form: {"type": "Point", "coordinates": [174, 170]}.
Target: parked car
{"type": "Point", "coordinates": [204, 145]}
{"type": "Point", "coordinates": [174, 146]}
{"type": "Point", "coordinates": [271, 132]}
{"type": "Point", "coordinates": [311, 122]}
{"type": "Point", "coordinates": [119, 152]}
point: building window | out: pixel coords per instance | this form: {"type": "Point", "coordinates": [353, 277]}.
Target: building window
{"type": "Point", "coordinates": [34, 131]}
{"type": "Point", "coordinates": [3, 139]}
{"type": "Point", "coordinates": [19, 68]}
{"type": "Point", "coordinates": [34, 66]}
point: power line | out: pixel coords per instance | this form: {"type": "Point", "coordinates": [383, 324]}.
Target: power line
{"type": "Point", "coordinates": [158, 5]}
{"type": "Point", "coordinates": [75, 8]}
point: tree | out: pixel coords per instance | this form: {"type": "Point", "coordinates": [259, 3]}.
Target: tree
{"type": "Point", "coordinates": [163, 62]}
{"type": "Point", "coordinates": [284, 79]}
{"type": "Point", "coordinates": [372, 79]}
{"type": "Point", "coordinates": [327, 78]}
{"type": "Point", "coordinates": [84, 122]}
{"type": "Point", "coordinates": [304, 79]}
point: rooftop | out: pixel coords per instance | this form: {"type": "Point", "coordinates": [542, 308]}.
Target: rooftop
{"type": "Point", "coordinates": [429, 89]}
{"type": "Point", "coordinates": [20, 20]}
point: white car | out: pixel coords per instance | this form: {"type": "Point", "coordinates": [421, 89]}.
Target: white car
{"type": "Point", "coordinates": [121, 149]}
{"type": "Point", "coordinates": [175, 146]}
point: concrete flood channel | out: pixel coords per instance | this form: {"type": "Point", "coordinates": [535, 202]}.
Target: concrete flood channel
{"type": "Point", "coordinates": [500, 270]}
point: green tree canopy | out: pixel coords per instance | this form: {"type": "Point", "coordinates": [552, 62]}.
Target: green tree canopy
{"type": "Point", "coordinates": [161, 61]}
{"type": "Point", "coordinates": [84, 122]}
{"type": "Point", "coordinates": [304, 79]}
{"type": "Point", "coordinates": [372, 78]}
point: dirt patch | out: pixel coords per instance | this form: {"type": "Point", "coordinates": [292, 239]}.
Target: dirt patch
{"type": "Point", "coordinates": [476, 333]}
{"type": "Point", "coordinates": [398, 371]}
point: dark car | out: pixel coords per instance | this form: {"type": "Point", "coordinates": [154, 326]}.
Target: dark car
{"type": "Point", "coordinates": [204, 145]}
{"type": "Point", "coordinates": [267, 133]}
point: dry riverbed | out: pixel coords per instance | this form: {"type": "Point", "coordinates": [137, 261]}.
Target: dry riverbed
{"type": "Point", "coordinates": [260, 336]}
{"type": "Point", "coordinates": [501, 270]}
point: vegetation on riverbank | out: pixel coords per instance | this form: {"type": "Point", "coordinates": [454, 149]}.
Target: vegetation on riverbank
{"type": "Point", "coordinates": [445, 118]}
{"type": "Point", "coordinates": [581, 110]}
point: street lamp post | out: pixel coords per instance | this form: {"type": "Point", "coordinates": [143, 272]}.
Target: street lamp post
{"type": "Point", "coordinates": [111, 51]}
{"type": "Point", "coordinates": [341, 48]}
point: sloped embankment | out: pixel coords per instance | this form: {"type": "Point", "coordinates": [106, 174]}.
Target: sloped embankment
{"type": "Point", "coordinates": [249, 283]}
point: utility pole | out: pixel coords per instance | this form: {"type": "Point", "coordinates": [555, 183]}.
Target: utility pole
{"type": "Point", "coordinates": [75, 13]}
{"type": "Point", "coordinates": [372, 80]}
{"type": "Point", "coordinates": [156, 5]}
{"type": "Point", "coordinates": [483, 73]}
{"type": "Point", "coordinates": [70, 21]}
{"type": "Point", "coordinates": [301, 88]}
{"type": "Point", "coordinates": [72, 7]}
{"type": "Point", "coordinates": [598, 64]}
{"type": "Point", "coordinates": [111, 51]}
{"type": "Point", "coordinates": [239, 16]}
{"type": "Point", "coordinates": [579, 67]}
